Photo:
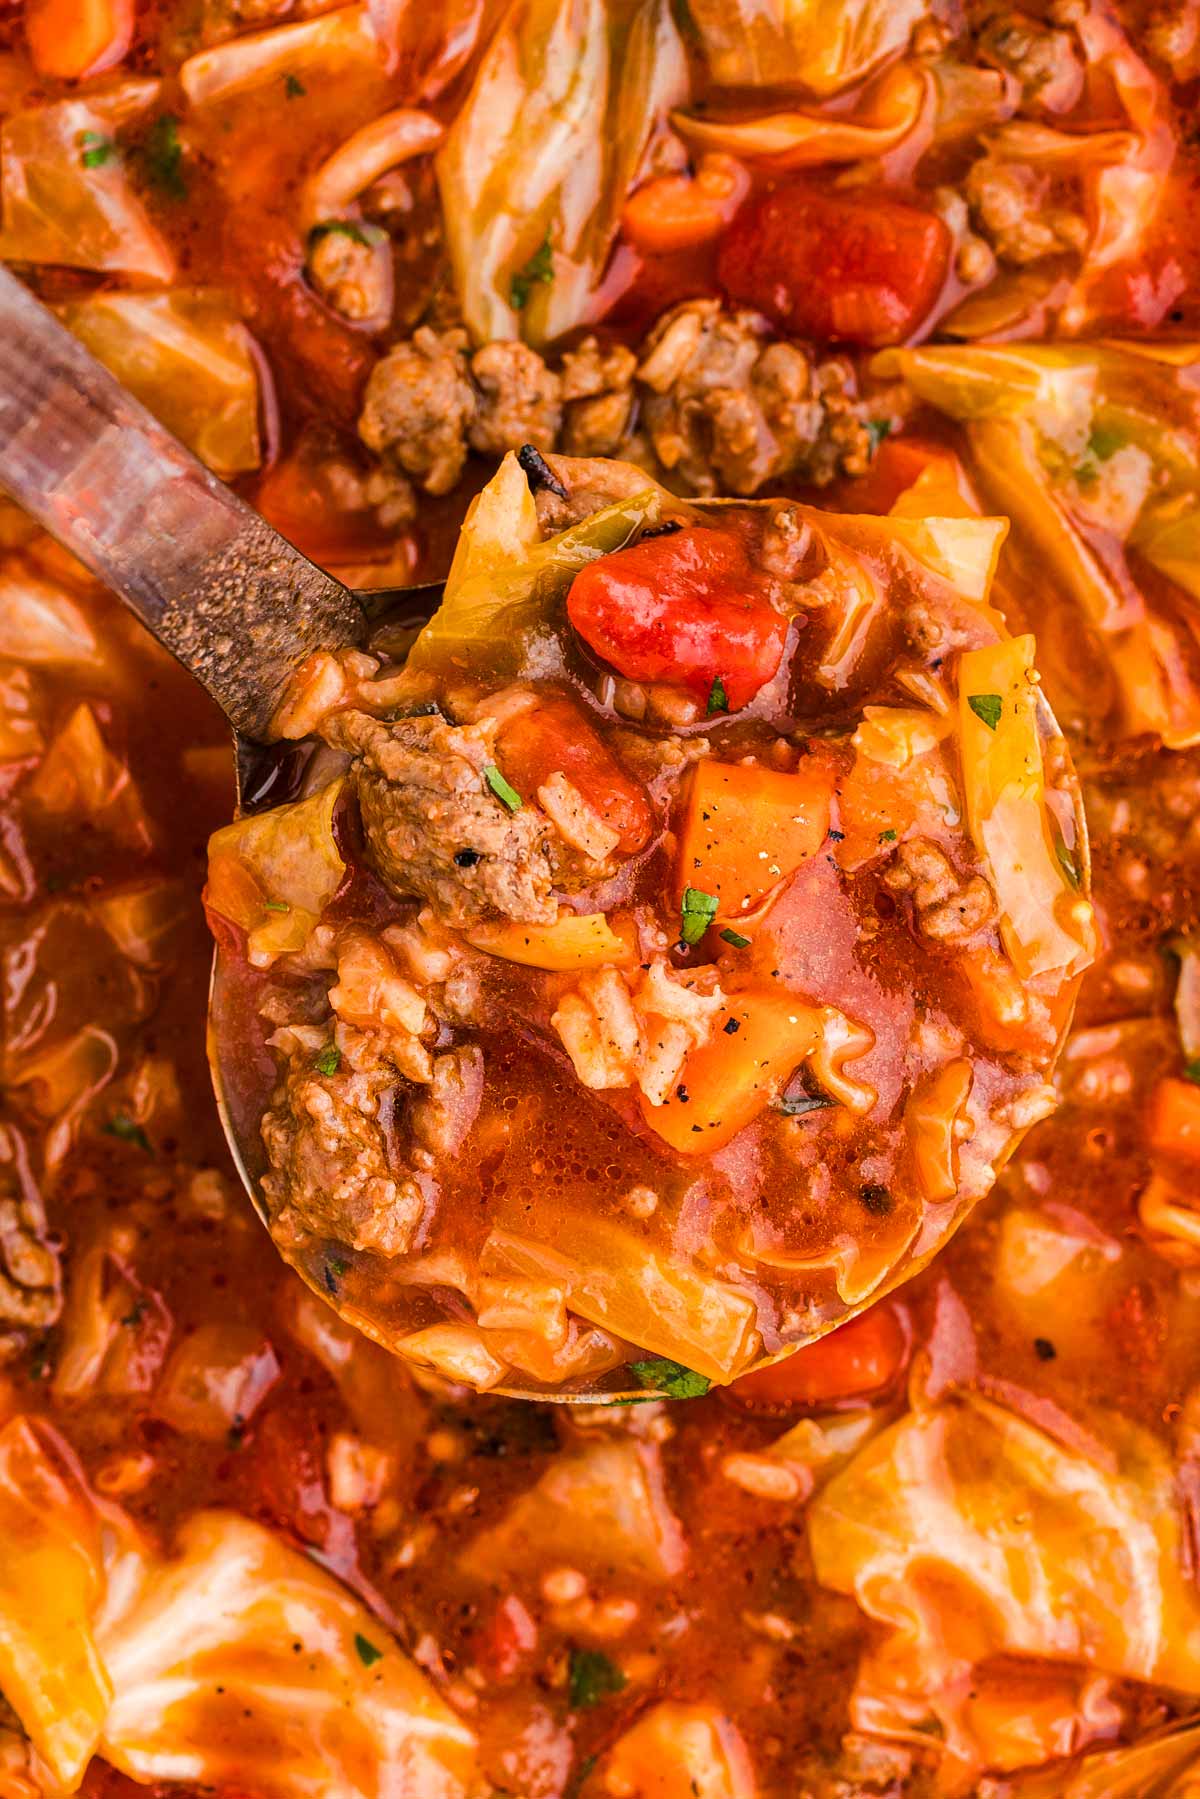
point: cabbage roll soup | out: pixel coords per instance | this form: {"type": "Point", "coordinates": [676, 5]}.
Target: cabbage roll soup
{"type": "Point", "coordinates": [703, 1301]}
{"type": "Point", "coordinates": [667, 952]}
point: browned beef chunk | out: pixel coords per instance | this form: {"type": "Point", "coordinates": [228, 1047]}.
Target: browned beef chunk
{"type": "Point", "coordinates": [434, 827]}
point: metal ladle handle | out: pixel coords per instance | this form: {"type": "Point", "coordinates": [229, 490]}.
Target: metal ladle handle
{"type": "Point", "coordinates": [238, 605]}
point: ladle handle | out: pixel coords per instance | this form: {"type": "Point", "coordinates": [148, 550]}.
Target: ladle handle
{"type": "Point", "coordinates": [236, 603]}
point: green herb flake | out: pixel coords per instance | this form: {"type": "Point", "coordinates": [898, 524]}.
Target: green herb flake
{"type": "Point", "coordinates": [671, 1378]}
{"type": "Point", "coordinates": [877, 430]}
{"type": "Point", "coordinates": [591, 1676]}
{"type": "Point", "coordinates": [987, 707]}
{"type": "Point", "coordinates": [539, 268]}
{"type": "Point", "coordinates": [329, 1060]}
{"type": "Point", "coordinates": [1067, 863]}
{"type": "Point", "coordinates": [735, 938]}
{"type": "Point", "coordinates": [1191, 1071]}
{"type": "Point", "coordinates": [887, 836]}
{"type": "Point", "coordinates": [277, 906]}
{"type": "Point", "coordinates": [696, 914]}
{"type": "Point", "coordinates": [293, 87]}
{"type": "Point", "coordinates": [95, 149]}
{"type": "Point", "coordinates": [1104, 442]}
{"type": "Point", "coordinates": [507, 795]}
{"type": "Point", "coordinates": [368, 1654]}
{"type": "Point", "coordinates": [718, 699]}
{"type": "Point", "coordinates": [129, 1132]}
{"type": "Point", "coordinates": [162, 156]}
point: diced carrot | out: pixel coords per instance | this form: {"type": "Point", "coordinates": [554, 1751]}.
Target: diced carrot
{"type": "Point", "coordinates": [576, 940]}
{"type": "Point", "coordinates": [1174, 1124]}
{"type": "Point", "coordinates": [757, 1042]}
{"type": "Point", "coordinates": [859, 1357]}
{"type": "Point", "coordinates": [555, 737]}
{"type": "Point", "coordinates": [678, 212]}
{"type": "Point", "coordinates": [69, 39]}
{"type": "Point", "coordinates": [747, 828]}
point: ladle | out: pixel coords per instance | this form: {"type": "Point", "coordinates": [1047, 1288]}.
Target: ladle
{"type": "Point", "coordinates": [241, 608]}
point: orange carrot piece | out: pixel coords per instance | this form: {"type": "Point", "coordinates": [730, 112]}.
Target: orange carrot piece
{"type": "Point", "coordinates": [730, 1079]}
{"type": "Point", "coordinates": [748, 828]}
{"type": "Point", "coordinates": [859, 1357]}
{"type": "Point", "coordinates": [69, 39]}
{"type": "Point", "coordinates": [1175, 1119]}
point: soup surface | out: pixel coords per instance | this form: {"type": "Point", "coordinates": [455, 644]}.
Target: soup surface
{"type": "Point", "coordinates": [872, 264]}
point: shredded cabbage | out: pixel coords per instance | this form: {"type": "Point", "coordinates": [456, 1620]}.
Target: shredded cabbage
{"type": "Point", "coordinates": [822, 46]}
{"type": "Point", "coordinates": [41, 624]}
{"type": "Point", "coordinates": [187, 356]}
{"type": "Point", "coordinates": [542, 154]}
{"type": "Point", "coordinates": [56, 210]}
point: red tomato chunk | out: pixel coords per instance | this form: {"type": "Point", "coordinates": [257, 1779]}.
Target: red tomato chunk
{"type": "Point", "coordinates": [687, 609]}
{"type": "Point", "coordinates": [857, 270]}
{"type": "Point", "coordinates": [557, 738]}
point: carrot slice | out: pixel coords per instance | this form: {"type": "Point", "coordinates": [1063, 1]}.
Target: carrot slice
{"type": "Point", "coordinates": [69, 39]}
{"type": "Point", "coordinates": [1175, 1119]}
{"type": "Point", "coordinates": [859, 1357]}
{"type": "Point", "coordinates": [759, 1039]}
{"type": "Point", "coordinates": [746, 829]}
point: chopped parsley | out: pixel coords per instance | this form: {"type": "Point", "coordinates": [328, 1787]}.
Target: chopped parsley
{"type": "Point", "coordinates": [728, 935]}
{"type": "Point", "coordinates": [696, 914]}
{"type": "Point", "coordinates": [877, 430]}
{"type": "Point", "coordinates": [95, 149]}
{"type": "Point", "coordinates": [277, 906]}
{"type": "Point", "coordinates": [368, 1654]}
{"type": "Point", "coordinates": [1191, 1071]}
{"type": "Point", "coordinates": [1067, 862]}
{"type": "Point", "coordinates": [591, 1676]}
{"type": "Point", "coordinates": [1104, 442]}
{"type": "Point", "coordinates": [887, 836]}
{"type": "Point", "coordinates": [986, 707]}
{"type": "Point", "coordinates": [671, 1378]}
{"type": "Point", "coordinates": [293, 87]}
{"type": "Point", "coordinates": [366, 235]}
{"type": "Point", "coordinates": [508, 796]}
{"type": "Point", "coordinates": [329, 1060]}
{"type": "Point", "coordinates": [162, 157]}
{"type": "Point", "coordinates": [129, 1131]}
{"type": "Point", "coordinates": [539, 268]}
{"type": "Point", "coordinates": [718, 699]}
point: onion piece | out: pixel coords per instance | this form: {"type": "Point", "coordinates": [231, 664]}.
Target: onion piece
{"type": "Point", "coordinates": [376, 147]}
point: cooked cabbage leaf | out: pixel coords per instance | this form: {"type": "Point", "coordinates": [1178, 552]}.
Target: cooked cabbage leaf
{"type": "Point", "coordinates": [537, 164]}
{"type": "Point", "coordinates": [601, 1506]}
{"type": "Point", "coordinates": [680, 1751]}
{"type": "Point", "coordinates": [274, 872]}
{"type": "Point", "coordinates": [339, 45]}
{"type": "Point", "coordinates": [187, 356]}
{"type": "Point", "coordinates": [971, 1533]}
{"type": "Point", "coordinates": [819, 45]}
{"type": "Point", "coordinates": [210, 1688]}
{"type": "Point", "coordinates": [56, 209]}
{"type": "Point", "coordinates": [234, 1661]}
{"type": "Point", "coordinates": [1086, 447]}
{"type": "Point", "coordinates": [796, 139]}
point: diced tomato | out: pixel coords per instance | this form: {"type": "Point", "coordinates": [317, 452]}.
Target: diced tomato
{"type": "Point", "coordinates": [557, 738]}
{"type": "Point", "coordinates": [686, 609]}
{"type": "Point", "coordinates": [857, 1358]}
{"type": "Point", "coordinates": [509, 1636]}
{"type": "Point", "coordinates": [848, 268]}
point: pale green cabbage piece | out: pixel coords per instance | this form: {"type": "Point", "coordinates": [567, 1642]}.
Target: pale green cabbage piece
{"type": "Point", "coordinates": [819, 45]}
{"type": "Point", "coordinates": [537, 164]}
{"type": "Point", "coordinates": [188, 357]}
{"type": "Point", "coordinates": [965, 1520]}
{"type": "Point", "coordinates": [57, 209]}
